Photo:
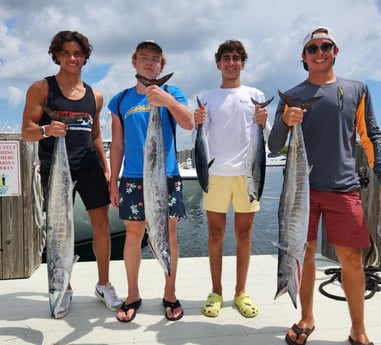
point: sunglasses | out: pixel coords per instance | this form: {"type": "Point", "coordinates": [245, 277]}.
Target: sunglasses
{"type": "Point", "coordinates": [325, 48]}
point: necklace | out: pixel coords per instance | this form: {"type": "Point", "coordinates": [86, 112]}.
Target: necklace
{"type": "Point", "coordinates": [68, 90]}
{"type": "Point", "coordinates": [73, 92]}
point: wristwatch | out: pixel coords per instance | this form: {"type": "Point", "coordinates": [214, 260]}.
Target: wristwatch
{"type": "Point", "coordinates": [43, 132]}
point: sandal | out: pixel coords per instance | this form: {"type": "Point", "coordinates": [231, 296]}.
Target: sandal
{"type": "Point", "coordinates": [173, 306]}
{"type": "Point", "coordinates": [246, 306]}
{"type": "Point", "coordinates": [354, 342]}
{"type": "Point", "coordinates": [126, 307]}
{"type": "Point", "coordinates": [299, 331]}
{"type": "Point", "coordinates": [212, 305]}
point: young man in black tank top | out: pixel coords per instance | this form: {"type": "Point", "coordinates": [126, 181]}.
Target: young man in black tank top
{"type": "Point", "coordinates": [66, 92]}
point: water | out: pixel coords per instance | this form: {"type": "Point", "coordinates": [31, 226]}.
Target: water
{"type": "Point", "coordinates": [192, 232]}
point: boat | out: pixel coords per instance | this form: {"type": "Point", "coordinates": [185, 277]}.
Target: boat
{"type": "Point", "coordinates": [192, 195]}
{"type": "Point", "coordinates": [275, 159]}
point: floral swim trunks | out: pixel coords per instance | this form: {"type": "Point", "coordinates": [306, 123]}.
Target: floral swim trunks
{"type": "Point", "coordinates": [131, 202]}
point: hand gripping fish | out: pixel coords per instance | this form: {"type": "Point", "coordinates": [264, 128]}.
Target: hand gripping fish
{"type": "Point", "coordinates": [201, 155]}
{"type": "Point", "coordinates": [256, 159]}
{"type": "Point", "coordinates": [293, 213]}
{"type": "Point", "coordinates": [60, 256]}
{"type": "Point", "coordinates": [155, 190]}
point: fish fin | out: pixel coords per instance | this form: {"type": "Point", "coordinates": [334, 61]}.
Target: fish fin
{"type": "Point", "coordinates": [310, 168]}
{"type": "Point", "coordinates": [308, 102]}
{"type": "Point", "coordinates": [75, 259]}
{"type": "Point", "coordinates": [198, 102]}
{"type": "Point", "coordinates": [167, 270]}
{"type": "Point", "coordinates": [289, 101]}
{"type": "Point", "coordinates": [297, 102]}
{"type": "Point", "coordinates": [200, 105]}
{"type": "Point", "coordinates": [148, 82]}
{"type": "Point", "coordinates": [211, 162]}
{"type": "Point", "coordinates": [280, 246]}
{"type": "Point", "coordinates": [275, 244]}
{"type": "Point", "coordinates": [263, 104]}
{"type": "Point", "coordinates": [281, 290]}
{"type": "Point", "coordinates": [61, 118]}
{"type": "Point", "coordinates": [293, 298]}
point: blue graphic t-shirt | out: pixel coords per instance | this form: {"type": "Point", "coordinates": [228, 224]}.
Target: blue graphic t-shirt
{"type": "Point", "coordinates": [135, 111]}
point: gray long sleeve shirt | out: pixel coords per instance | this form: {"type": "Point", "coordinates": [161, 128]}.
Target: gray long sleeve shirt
{"type": "Point", "coordinates": [329, 130]}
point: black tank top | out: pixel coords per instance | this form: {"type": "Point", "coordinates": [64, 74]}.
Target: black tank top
{"type": "Point", "coordinates": [79, 143]}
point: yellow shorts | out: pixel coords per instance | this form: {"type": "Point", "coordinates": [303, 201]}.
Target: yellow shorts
{"type": "Point", "coordinates": [224, 190]}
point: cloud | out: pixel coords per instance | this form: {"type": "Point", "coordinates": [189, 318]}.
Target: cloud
{"type": "Point", "coordinates": [15, 97]}
{"type": "Point", "coordinates": [272, 32]}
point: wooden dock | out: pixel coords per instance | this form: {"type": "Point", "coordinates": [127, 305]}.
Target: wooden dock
{"type": "Point", "coordinates": [25, 319]}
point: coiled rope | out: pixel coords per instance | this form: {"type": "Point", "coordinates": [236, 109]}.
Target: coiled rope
{"type": "Point", "coordinates": [372, 278]}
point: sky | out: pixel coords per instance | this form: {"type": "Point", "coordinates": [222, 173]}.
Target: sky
{"type": "Point", "coordinates": [189, 32]}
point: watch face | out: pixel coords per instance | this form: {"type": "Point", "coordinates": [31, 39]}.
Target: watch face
{"type": "Point", "coordinates": [42, 131]}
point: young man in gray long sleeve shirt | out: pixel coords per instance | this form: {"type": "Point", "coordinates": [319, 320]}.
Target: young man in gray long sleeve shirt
{"type": "Point", "coordinates": [329, 128]}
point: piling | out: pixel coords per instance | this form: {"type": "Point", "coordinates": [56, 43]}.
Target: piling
{"type": "Point", "coordinates": [21, 224]}
{"type": "Point", "coordinates": [371, 202]}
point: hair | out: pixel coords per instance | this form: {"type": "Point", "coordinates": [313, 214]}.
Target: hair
{"type": "Point", "coordinates": [324, 31]}
{"type": "Point", "coordinates": [69, 36]}
{"type": "Point", "coordinates": [230, 46]}
{"type": "Point", "coordinates": [154, 47]}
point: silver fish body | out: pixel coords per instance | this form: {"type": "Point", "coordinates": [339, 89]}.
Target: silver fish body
{"type": "Point", "coordinates": [293, 217]}
{"type": "Point", "coordinates": [256, 159]}
{"type": "Point", "coordinates": [155, 191]}
{"type": "Point", "coordinates": [60, 256]}
{"type": "Point", "coordinates": [201, 155]}
{"type": "Point", "coordinates": [202, 160]}
{"type": "Point", "coordinates": [256, 164]}
{"type": "Point", "coordinates": [60, 226]}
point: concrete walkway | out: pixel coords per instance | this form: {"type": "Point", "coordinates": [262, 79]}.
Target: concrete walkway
{"type": "Point", "coordinates": [25, 319]}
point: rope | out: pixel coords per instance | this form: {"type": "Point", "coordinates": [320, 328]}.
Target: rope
{"type": "Point", "coordinates": [372, 279]}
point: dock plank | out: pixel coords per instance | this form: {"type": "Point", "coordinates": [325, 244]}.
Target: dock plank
{"type": "Point", "coordinates": [25, 319]}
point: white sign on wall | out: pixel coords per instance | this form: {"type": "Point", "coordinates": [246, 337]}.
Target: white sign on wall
{"type": "Point", "coordinates": [10, 180]}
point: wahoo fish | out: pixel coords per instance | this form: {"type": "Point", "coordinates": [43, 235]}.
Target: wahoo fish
{"type": "Point", "coordinates": [256, 159]}
{"type": "Point", "coordinates": [59, 219]}
{"type": "Point", "coordinates": [155, 189]}
{"type": "Point", "coordinates": [201, 155]}
{"type": "Point", "coordinates": [293, 213]}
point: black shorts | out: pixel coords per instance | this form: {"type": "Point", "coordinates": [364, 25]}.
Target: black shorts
{"type": "Point", "coordinates": [131, 201]}
{"type": "Point", "coordinates": [90, 183]}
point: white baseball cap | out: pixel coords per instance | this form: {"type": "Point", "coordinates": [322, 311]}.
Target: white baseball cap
{"type": "Point", "coordinates": [320, 32]}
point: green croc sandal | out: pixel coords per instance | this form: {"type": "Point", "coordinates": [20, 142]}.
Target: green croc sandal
{"type": "Point", "coordinates": [246, 306]}
{"type": "Point", "coordinates": [212, 305]}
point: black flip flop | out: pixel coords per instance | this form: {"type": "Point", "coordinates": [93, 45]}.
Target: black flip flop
{"type": "Point", "coordinates": [299, 331]}
{"type": "Point", "coordinates": [354, 342]}
{"type": "Point", "coordinates": [173, 306]}
{"type": "Point", "coordinates": [126, 307]}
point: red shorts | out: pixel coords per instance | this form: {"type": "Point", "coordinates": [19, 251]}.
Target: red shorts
{"type": "Point", "coordinates": [343, 217]}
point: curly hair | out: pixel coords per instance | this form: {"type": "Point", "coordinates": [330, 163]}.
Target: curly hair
{"type": "Point", "coordinates": [230, 46]}
{"type": "Point", "coordinates": [69, 36]}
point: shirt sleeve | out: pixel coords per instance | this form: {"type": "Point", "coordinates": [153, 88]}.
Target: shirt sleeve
{"type": "Point", "coordinates": [279, 131]}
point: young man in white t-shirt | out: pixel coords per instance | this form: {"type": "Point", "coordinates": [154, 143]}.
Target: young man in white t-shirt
{"type": "Point", "coordinates": [228, 115]}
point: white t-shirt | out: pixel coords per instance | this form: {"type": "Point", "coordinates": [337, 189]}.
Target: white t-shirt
{"type": "Point", "coordinates": [230, 118]}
